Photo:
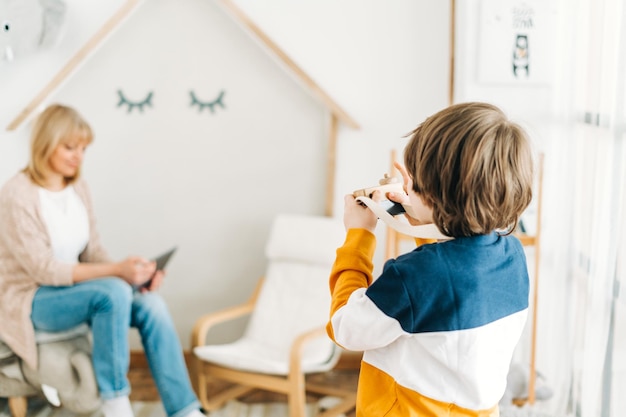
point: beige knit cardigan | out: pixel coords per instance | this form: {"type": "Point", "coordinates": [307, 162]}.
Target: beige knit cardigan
{"type": "Point", "coordinates": [27, 261]}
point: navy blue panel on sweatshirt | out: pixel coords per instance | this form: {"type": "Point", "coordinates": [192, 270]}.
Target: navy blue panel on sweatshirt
{"type": "Point", "coordinates": [454, 285]}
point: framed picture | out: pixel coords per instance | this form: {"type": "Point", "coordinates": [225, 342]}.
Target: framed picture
{"type": "Point", "coordinates": [516, 41]}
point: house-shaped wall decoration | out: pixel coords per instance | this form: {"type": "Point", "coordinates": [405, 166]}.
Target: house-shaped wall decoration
{"type": "Point", "coordinates": [337, 115]}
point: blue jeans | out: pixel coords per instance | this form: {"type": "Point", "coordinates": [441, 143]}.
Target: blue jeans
{"type": "Point", "coordinates": [110, 306]}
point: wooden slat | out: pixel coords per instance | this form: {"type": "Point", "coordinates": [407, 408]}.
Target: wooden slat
{"type": "Point", "coordinates": [74, 62]}
{"type": "Point", "coordinates": [536, 242]}
{"type": "Point", "coordinates": [331, 164]}
{"type": "Point", "coordinates": [18, 406]}
{"type": "Point", "coordinates": [533, 343]}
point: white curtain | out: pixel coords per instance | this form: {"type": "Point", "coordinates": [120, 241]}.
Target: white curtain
{"type": "Point", "coordinates": [582, 314]}
{"type": "Point", "coordinates": [618, 375]}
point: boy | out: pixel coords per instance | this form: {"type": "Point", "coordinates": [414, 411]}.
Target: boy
{"type": "Point", "coordinates": [439, 326]}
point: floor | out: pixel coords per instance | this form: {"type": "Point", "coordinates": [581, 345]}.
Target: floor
{"type": "Point", "coordinates": [345, 375]}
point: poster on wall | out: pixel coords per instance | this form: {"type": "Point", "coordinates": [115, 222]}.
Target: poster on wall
{"type": "Point", "coordinates": [515, 41]}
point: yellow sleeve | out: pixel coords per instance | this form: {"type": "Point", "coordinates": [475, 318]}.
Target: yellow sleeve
{"type": "Point", "coordinates": [419, 241]}
{"type": "Point", "coordinates": [352, 269]}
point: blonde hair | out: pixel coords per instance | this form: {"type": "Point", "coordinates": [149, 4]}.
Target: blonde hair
{"type": "Point", "coordinates": [56, 125]}
{"type": "Point", "coordinates": [473, 167]}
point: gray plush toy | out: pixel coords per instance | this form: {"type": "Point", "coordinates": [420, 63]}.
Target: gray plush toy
{"type": "Point", "coordinates": [64, 366]}
{"type": "Point", "coordinates": [518, 380]}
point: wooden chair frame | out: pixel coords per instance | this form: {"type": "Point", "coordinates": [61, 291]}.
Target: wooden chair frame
{"type": "Point", "coordinates": [294, 385]}
{"type": "Point", "coordinates": [18, 406]}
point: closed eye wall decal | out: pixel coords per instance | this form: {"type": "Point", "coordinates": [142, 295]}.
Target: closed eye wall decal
{"type": "Point", "coordinates": [218, 101]}
{"type": "Point", "coordinates": [211, 105]}
{"type": "Point", "coordinates": [134, 104]}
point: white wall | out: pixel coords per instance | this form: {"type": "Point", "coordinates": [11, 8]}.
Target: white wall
{"type": "Point", "coordinates": [211, 184]}
{"type": "Point", "coordinates": [386, 64]}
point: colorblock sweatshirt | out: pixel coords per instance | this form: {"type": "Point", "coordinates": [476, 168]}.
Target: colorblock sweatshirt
{"type": "Point", "coordinates": [437, 328]}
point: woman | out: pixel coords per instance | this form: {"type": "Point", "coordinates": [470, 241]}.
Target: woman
{"type": "Point", "coordinates": [55, 274]}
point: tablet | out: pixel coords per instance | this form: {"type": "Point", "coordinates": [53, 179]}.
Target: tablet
{"type": "Point", "coordinates": [161, 261]}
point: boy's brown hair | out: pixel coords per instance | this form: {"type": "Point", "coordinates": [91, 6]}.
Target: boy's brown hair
{"type": "Point", "coordinates": [473, 167]}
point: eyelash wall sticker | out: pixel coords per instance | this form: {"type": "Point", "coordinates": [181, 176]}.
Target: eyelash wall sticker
{"type": "Point", "coordinates": [207, 104]}
{"type": "Point", "coordinates": [134, 104]}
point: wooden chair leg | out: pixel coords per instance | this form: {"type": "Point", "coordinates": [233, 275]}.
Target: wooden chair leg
{"type": "Point", "coordinates": [297, 397]}
{"type": "Point", "coordinates": [18, 406]}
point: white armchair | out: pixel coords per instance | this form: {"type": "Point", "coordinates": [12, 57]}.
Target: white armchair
{"type": "Point", "coordinates": [285, 338]}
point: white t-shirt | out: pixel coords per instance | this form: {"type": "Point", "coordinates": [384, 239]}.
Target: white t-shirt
{"type": "Point", "coordinates": [67, 221]}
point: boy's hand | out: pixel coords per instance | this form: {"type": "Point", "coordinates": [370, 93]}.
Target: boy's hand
{"type": "Point", "coordinates": [404, 198]}
{"type": "Point", "coordinates": [359, 216]}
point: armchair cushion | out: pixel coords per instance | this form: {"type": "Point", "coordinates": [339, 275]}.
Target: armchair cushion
{"type": "Point", "coordinates": [248, 355]}
{"type": "Point", "coordinates": [294, 300]}
{"type": "Point", "coordinates": [305, 239]}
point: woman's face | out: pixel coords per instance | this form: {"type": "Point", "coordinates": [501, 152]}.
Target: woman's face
{"type": "Point", "coordinates": [67, 157]}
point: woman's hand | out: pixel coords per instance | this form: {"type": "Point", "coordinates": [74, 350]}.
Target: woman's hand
{"type": "Point", "coordinates": [155, 282]}
{"type": "Point", "coordinates": [359, 216]}
{"type": "Point", "coordinates": [136, 270]}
